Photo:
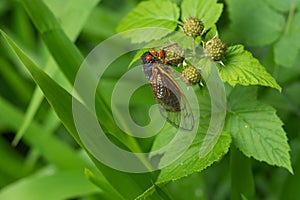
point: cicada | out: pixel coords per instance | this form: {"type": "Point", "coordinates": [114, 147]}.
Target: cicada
{"type": "Point", "coordinates": [172, 102]}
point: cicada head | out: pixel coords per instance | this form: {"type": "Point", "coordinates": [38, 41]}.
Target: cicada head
{"type": "Point", "coordinates": [148, 58]}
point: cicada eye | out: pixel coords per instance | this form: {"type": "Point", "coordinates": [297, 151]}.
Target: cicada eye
{"type": "Point", "coordinates": [149, 58]}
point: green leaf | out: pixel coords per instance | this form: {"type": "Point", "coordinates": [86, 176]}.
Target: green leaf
{"type": "Point", "coordinates": [208, 11]}
{"type": "Point", "coordinates": [109, 20]}
{"type": "Point", "coordinates": [136, 57]}
{"type": "Point", "coordinates": [67, 13]}
{"type": "Point", "coordinates": [18, 86]}
{"type": "Point", "coordinates": [190, 161]}
{"type": "Point", "coordinates": [242, 68]}
{"type": "Point", "coordinates": [62, 49]}
{"type": "Point", "coordinates": [48, 145]}
{"type": "Point", "coordinates": [12, 160]}
{"type": "Point", "coordinates": [37, 187]}
{"type": "Point", "coordinates": [292, 94]}
{"type": "Point", "coordinates": [60, 96]}
{"type": "Point", "coordinates": [69, 59]}
{"type": "Point", "coordinates": [61, 101]}
{"type": "Point", "coordinates": [290, 188]}
{"type": "Point", "coordinates": [282, 6]}
{"type": "Point", "coordinates": [286, 51]}
{"type": "Point", "coordinates": [156, 13]}
{"type": "Point", "coordinates": [257, 130]}
{"type": "Point", "coordinates": [254, 22]}
{"type": "Point", "coordinates": [287, 48]}
{"type": "Point", "coordinates": [211, 33]}
{"type": "Point", "coordinates": [289, 74]}
{"type": "Point", "coordinates": [99, 180]}
{"type": "Point", "coordinates": [191, 187]}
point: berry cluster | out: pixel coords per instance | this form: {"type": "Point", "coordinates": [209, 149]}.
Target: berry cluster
{"type": "Point", "coordinates": [191, 74]}
{"type": "Point", "coordinates": [193, 27]}
{"type": "Point", "coordinates": [174, 55]}
{"type": "Point", "coordinates": [214, 48]}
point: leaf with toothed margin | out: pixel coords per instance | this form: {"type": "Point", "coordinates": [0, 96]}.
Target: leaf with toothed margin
{"type": "Point", "coordinates": [207, 11]}
{"type": "Point", "coordinates": [256, 129]}
{"type": "Point", "coordinates": [155, 13]}
{"type": "Point", "coordinates": [240, 67]}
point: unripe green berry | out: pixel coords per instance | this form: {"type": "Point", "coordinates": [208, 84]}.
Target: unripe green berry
{"type": "Point", "coordinates": [191, 74]}
{"type": "Point", "coordinates": [174, 55]}
{"type": "Point", "coordinates": [215, 49]}
{"type": "Point", "coordinates": [193, 27]}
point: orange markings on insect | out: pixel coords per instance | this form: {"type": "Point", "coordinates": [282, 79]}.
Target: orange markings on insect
{"type": "Point", "coordinates": [153, 52]}
{"type": "Point", "coordinates": [161, 54]}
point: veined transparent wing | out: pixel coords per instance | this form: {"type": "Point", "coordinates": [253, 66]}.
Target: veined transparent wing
{"type": "Point", "coordinates": [173, 104]}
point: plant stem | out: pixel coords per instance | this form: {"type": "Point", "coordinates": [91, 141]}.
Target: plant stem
{"type": "Point", "coordinates": [242, 183]}
{"type": "Point", "coordinates": [180, 23]}
{"type": "Point", "coordinates": [289, 19]}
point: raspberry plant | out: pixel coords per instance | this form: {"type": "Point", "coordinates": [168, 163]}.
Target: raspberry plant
{"type": "Point", "coordinates": [249, 123]}
{"type": "Point", "coordinates": [253, 148]}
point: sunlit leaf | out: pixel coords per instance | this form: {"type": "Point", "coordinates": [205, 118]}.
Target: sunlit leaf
{"type": "Point", "coordinates": [61, 102]}
{"type": "Point", "coordinates": [36, 187]}
{"type": "Point", "coordinates": [207, 11]}
{"type": "Point", "coordinates": [156, 13]}
{"type": "Point", "coordinates": [257, 131]}
{"type": "Point", "coordinates": [190, 161]}
{"type": "Point", "coordinates": [240, 67]}
{"type": "Point", "coordinates": [68, 13]}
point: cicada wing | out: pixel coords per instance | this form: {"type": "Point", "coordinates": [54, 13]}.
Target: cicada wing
{"type": "Point", "coordinates": [173, 104]}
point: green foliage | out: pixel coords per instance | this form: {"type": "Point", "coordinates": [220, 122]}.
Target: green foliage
{"type": "Point", "coordinates": [190, 162]}
{"type": "Point", "coordinates": [263, 25]}
{"type": "Point", "coordinates": [39, 186]}
{"type": "Point", "coordinates": [240, 67]}
{"type": "Point", "coordinates": [207, 11]}
{"type": "Point", "coordinates": [44, 159]}
{"type": "Point", "coordinates": [282, 6]}
{"type": "Point", "coordinates": [65, 12]}
{"type": "Point", "coordinates": [256, 130]}
{"type": "Point", "coordinates": [268, 26]}
{"type": "Point", "coordinates": [61, 102]}
{"type": "Point", "coordinates": [289, 40]}
{"type": "Point", "coordinates": [160, 14]}
{"type": "Point", "coordinates": [241, 167]}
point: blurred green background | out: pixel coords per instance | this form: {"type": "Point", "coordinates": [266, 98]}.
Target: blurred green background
{"type": "Point", "coordinates": [47, 163]}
